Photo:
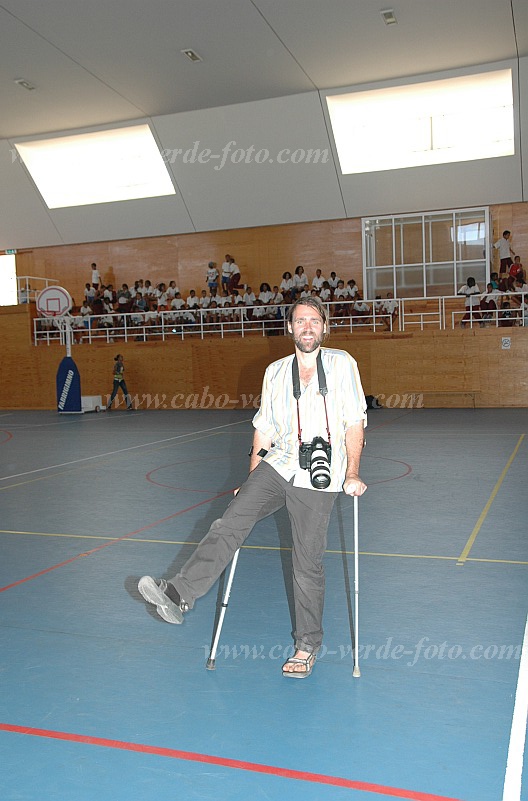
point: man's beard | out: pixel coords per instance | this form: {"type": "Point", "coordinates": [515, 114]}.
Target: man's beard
{"type": "Point", "coordinates": [308, 347]}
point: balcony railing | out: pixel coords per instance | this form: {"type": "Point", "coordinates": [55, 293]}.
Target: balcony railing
{"type": "Point", "coordinates": [409, 314]}
{"type": "Point", "coordinates": [29, 286]}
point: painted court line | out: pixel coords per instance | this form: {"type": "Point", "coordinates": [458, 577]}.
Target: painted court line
{"type": "Point", "coordinates": [111, 542]}
{"type": "Point", "coordinates": [258, 547]}
{"type": "Point", "coordinates": [122, 450]}
{"type": "Point", "coordinates": [514, 764]}
{"type": "Point", "coordinates": [6, 436]}
{"type": "Point", "coordinates": [86, 466]}
{"type": "Point", "coordinates": [473, 536]}
{"type": "Point", "coordinates": [224, 762]}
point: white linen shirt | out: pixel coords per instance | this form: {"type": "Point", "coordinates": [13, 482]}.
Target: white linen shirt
{"type": "Point", "coordinates": [470, 292]}
{"type": "Point", "coordinates": [277, 416]}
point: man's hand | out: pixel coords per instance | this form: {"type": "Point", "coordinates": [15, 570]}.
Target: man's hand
{"type": "Point", "coordinates": [353, 485]}
{"type": "Point", "coordinates": [354, 441]}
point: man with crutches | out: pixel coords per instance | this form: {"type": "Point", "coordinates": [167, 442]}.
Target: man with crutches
{"type": "Point", "coordinates": [306, 449]}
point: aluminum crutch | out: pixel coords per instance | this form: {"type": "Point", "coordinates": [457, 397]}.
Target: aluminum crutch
{"type": "Point", "coordinates": [210, 664]}
{"type": "Point", "coordinates": [356, 672]}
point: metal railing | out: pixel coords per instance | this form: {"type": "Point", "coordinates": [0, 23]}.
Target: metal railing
{"type": "Point", "coordinates": [29, 286]}
{"type": "Point", "coordinates": [271, 320]}
{"type": "Point", "coordinates": [501, 317]}
{"type": "Point", "coordinates": [422, 312]}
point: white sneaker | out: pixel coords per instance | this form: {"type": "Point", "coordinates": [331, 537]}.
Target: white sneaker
{"type": "Point", "coordinates": [154, 591]}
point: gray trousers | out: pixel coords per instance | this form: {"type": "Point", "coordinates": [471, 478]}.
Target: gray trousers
{"type": "Point", "coordinates": [264, 492]}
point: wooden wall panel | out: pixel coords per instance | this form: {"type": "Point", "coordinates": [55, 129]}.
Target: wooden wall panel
{"type": "Point", "coordinates": [263, 254]}
{"type": "Point", "coordinates": [164, 375]}
{"type": "Point", "coordinates": [389, 363]}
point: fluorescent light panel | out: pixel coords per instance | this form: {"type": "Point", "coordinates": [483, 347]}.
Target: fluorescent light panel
{"type": "Point", "coordinates": [100, 167]}
{"type": "Point", "coordinates": [457, 119]}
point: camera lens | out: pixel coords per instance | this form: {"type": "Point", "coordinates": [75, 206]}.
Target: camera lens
{"type": "Point", "coordinates": [320, 464]}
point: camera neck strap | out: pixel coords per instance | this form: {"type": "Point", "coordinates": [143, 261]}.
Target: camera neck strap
{"type": "Point", "coordinates": [323, 390]}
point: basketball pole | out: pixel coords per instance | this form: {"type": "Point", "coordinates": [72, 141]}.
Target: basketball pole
{"type": "Point", "coordinates": [66, 332]}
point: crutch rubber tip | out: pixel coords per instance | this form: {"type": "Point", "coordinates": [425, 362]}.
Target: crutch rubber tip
{"type": "Point", "coordinates": [356, 673]}
{"type": "Point", "coordinates": [210, 664]}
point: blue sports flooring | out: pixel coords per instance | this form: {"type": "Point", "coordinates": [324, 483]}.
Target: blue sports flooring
{"type": "Point", "coordinates": [102, 701]}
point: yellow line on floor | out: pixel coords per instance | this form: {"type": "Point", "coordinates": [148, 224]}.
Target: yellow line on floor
{"type": "Point", "coordinates": [260, 547]}
{"type": "Point", "coordinates": [462, 559]}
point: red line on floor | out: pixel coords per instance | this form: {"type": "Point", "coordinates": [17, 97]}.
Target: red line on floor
{"type": "Point", "coordinates": [386, 459]}
{"type": "Point", "coordinates": [237, 764]}
{"type": "Point", "coordinates": [387, 422]}
{"type": "Point", "coordinates": [112, 542]}
{"type": "Point", "coordinates": [179, 464]}
{"type": "Point", "coordinates": [7, 438]}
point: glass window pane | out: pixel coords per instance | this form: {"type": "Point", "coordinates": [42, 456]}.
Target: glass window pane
{"type": "Point", "coordinates": [378, 242]}
{"type": "Point", "coordinates": [379, 282]}
{"type": "Point", "coordinates": [475, 269]}
{"type": "Point", "coordinates": [470, 235]}
{"type": "Point", "coordinates": [438, 237]}
{"type": "Point", "coordinates": [409, 282]}
{"type": "Point", "coordinates": [409, 247]}
{"type": "Point", "coordinates": [439, 279]}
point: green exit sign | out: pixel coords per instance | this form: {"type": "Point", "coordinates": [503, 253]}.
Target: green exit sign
{"type": "Point", "coordinates": [10, 252]}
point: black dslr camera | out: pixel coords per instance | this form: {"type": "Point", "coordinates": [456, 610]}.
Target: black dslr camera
{"type": "Point", "coordinates": [316, 456]}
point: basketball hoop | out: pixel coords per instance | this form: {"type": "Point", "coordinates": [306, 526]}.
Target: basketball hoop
{"type": "Point", "coordinates": [54, 301]}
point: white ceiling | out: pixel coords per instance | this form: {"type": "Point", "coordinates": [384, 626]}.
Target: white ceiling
{"type": "Point", "coordinates": [265, 63]}
{"type": "Point", "coordinates": [99, 61]}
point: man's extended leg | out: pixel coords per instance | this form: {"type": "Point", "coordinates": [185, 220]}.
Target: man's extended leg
{"type": "Point", "coordinates": [262, 494]}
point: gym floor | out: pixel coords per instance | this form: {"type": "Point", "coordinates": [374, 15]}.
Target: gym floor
{"type": "Point", "coordinates": [103, 701]}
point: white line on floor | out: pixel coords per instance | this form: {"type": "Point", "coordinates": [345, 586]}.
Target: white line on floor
{"type": "Point", "coordinates": [122, 450]}
{"type": "Point", "coordinates": [514, 764]}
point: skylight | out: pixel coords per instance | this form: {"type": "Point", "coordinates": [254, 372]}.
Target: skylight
{"type": "Point", "coordinates": [450, 120]}
{"type": "Point", "coordinates": [100, 167]}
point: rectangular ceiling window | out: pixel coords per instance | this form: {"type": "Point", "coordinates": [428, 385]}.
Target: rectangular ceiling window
{"type": "Point", "coordinates": [455, 119]}
{"type": "Point", "coordinates": [100, 167]}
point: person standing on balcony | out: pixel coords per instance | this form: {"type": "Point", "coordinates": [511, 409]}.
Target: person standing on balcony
{"type": "Point", "coordinates": [503, 245]}
{"type": "Point", "coordinates": [96, 277]}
